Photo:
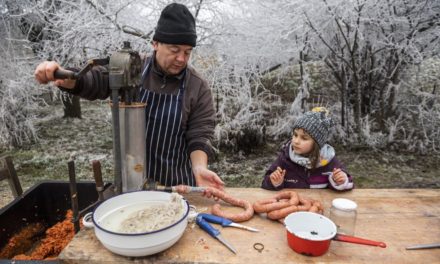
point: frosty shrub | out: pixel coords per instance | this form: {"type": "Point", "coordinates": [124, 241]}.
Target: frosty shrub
{"type": "Point", "coordinates": [266, 61]}
{"type": "Point", "coordinates": [17, 107]}
{"type": "Point", "coordinates": [18, 91]}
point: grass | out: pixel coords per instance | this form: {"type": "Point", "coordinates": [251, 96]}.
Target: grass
{"type": "Point", "coordinates": [90, 138]}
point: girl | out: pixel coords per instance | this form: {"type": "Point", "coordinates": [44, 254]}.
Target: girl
{"type": "Point", "coordinates": [307, 161]}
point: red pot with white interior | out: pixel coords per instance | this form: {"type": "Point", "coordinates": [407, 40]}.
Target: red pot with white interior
{"type": "Point", "coordinates": [310, 234]}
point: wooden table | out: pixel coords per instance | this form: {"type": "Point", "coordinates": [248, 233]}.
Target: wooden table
{"type": "Point", "coordinates": [398, 217]}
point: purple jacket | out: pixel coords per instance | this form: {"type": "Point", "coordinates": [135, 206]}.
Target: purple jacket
{"type": "Point", "coordinates": [298, 176]}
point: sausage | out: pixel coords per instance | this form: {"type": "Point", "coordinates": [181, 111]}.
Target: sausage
{"type": "Point", "coordinates": [216, 208]}
{"type": "Point", "coordinates": [318, 206]}
{"type": "Point", "coordinates": [291, 196]}
{"type": "Point", "coordinates": [281, 213]}
{"type": "Point", "coordinates": [268, 205]}
{"type": "Point", "coordinates": [285, 203]}
{"type": "Point", "coordinates": [280, 201]}
{"type": "Point", "coordinates": [236, 217]}
{"type": "Point", "coordinates": [314, 209]}
{"type": "Point", "coordinates": [304, 204]}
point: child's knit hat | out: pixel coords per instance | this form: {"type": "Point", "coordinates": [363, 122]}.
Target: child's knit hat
{"type": "Point", "coordinates": [317, 123]}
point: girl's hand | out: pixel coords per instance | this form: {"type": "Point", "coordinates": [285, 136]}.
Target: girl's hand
{"type": "Point", "coordinates": [277, 177]}
{"type": "Point", "coordinates": [339, 177]}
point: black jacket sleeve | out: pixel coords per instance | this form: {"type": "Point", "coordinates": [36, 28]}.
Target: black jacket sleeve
{"type": "Point", "coordinates": [93, 85]}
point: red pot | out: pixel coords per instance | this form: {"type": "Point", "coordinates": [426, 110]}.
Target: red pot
{"type": "Point", "coordinates": [310, 234]}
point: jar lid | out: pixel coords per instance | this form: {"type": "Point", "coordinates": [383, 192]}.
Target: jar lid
{"type": "Point", "coordinates": [344, 204]}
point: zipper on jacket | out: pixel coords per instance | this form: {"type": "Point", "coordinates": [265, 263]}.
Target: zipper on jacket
{"type": "Point", "coordinates": [307, 171]}
{"type": "Point", "coordinates": [164, 82]}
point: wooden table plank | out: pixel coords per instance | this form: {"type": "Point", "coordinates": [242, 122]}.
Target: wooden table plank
{"type": "Point", "coordinates": [398, 217]}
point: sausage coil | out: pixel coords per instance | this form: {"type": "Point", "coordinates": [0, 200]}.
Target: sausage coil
{"type": "Point", "coordinates": [236, 217]}
{"type": "Point", "coordinates": [285, 203]}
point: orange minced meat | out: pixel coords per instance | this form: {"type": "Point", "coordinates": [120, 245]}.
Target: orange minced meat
{"type": "Point", "coordinates": [56, 239]}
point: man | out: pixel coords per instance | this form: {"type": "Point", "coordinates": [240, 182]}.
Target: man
{"type": "Point", "coordinates": [180, 112]}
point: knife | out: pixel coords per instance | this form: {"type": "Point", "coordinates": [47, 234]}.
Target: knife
{"type": "Point", "coordinates": [423, 246]}
{"type": "Point", "coordinates": [213, 232]}
{"type": "Point", "coordinates": [225, 222]}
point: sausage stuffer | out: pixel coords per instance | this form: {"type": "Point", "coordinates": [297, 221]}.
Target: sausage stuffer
{"type": "Point", "coordinates": [128, 115]}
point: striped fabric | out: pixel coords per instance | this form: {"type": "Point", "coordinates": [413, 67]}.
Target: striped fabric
{"type": "Point", "coordinates": [318, 181]}
{"type": "Point", "coordinates": [167, 155]}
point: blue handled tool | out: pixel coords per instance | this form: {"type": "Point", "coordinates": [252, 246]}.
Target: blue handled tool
{"type": "Point", "coordinates": [225, 222]}
{"type": "Point", "coordinates": [200, 220]}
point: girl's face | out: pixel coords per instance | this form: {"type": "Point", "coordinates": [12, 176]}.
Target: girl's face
{"type": "Point", "coordinates": [302, 143]}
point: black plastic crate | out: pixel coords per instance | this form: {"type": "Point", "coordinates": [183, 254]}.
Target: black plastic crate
{"type": "Point", "coordinates": [47, 203]}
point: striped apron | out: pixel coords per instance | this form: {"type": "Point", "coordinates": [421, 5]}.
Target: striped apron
{"type": "Point", "coordinates": [167, 158]}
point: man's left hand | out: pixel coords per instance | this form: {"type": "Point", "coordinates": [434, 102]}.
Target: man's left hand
{"type": "Point", "coordinates": [207, 178]}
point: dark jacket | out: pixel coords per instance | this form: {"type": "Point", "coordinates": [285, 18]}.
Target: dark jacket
{"type": "Point", "coordinates": [198, 115]}
{"type": "Point", "coordinates": [298, 176]}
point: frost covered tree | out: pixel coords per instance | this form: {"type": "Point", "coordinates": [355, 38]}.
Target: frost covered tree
{"type": "Point", "coordinates": [370, 47]}
{"type": "Point", "coordinates": [18, 100]}
{"type": "Point", "coordinates": [250, 47]}
{"type": "Point", "coordinates": [68, 32]}
{"type": "Point", "coordinates": [265, 60]}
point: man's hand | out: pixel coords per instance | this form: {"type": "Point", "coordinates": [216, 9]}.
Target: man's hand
{"type": "Point", "coordinates": [207, 178]}
{"type": "Point", "coordinates": [44, 73]}
{"type": "Point", "coordinates": [277, 177]}
{"type": "Point", "coordinates": [204, 176]}
{"type": "Point", "coordinates": [339, 177]}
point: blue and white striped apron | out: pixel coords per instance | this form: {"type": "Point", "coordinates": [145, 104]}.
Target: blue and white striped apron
{"type": "Point", "coordinates": [167, 157]}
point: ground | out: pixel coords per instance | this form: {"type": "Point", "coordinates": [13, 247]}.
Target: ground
{"type": "Point", "coordinates": [369, 168]}
{"type": "Point", "coordinates": [83, 140]}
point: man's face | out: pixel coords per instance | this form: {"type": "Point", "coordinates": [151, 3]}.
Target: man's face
{"type": "Point", "coordinates": [172, 58]}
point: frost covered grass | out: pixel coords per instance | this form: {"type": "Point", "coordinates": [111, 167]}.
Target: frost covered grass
{"type": "Point", "coordinates": [64, 139]}
{"type": "Point", "coordinates": [90, 138]}
{"type": "Point", "coordinates": [370, 168]}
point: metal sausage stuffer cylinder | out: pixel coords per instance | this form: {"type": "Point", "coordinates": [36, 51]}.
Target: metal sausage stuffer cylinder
{"type": "Point", "coordinates": [128, 119]}
{"type": "Point", "coordinates": [132, 129]}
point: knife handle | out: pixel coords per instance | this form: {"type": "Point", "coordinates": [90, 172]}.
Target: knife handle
{"type": "Point", "coordinates": [216, 219]}
{"type": "Point", "coordinates": [206, 226]}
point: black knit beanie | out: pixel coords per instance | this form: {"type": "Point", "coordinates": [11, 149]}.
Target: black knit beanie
{"type": "Point", "coordinates": [176, 25]}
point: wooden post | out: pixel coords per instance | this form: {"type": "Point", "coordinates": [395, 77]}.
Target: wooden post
{"type": "Point", "coordinates": [7, 171]}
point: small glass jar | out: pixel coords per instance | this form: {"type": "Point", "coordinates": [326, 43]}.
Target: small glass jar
{"type": "Point", "coordinates": [343, 213]}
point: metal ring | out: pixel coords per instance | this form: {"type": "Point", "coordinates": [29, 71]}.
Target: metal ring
{"type": "Point", "coordinates": [258, 247]}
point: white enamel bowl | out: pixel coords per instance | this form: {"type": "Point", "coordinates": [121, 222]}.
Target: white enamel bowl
{"type": "Point", "coordinates": [139, 244]}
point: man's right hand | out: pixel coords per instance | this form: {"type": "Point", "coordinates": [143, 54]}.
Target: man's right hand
{"type": "Point", "coordinates": [44, 73]}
